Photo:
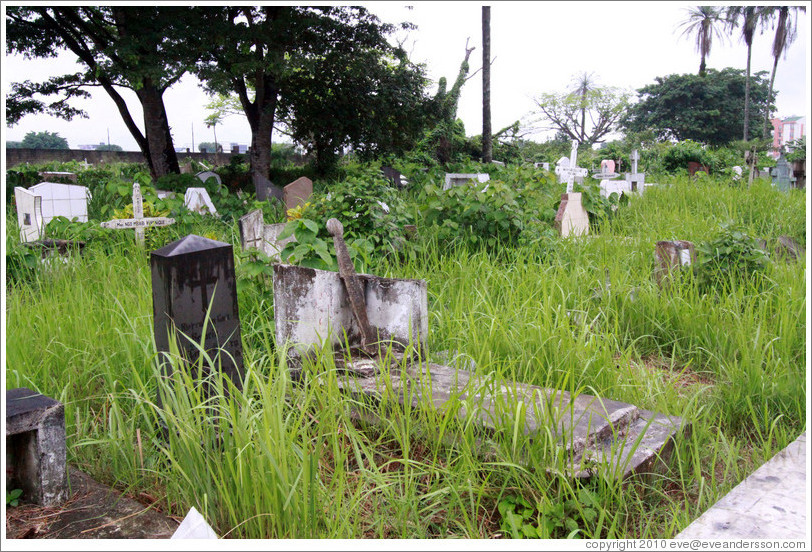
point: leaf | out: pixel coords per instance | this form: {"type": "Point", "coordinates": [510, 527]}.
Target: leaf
{"type": "Point", "coordinates": [312, 226]}
{"type": "Point", "coordinates": [288, 230]}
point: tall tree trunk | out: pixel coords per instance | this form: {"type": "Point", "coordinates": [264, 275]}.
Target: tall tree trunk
{"type": "Point", "coordinates": [487, 139]}
{"type": "Point", "coordinates": [702, 66]}
{"type": "Point", "coordinates": [160, 147]}
{"type": "Point", "coordinates": [767, 123]}
{"type": "Point", "coordinates": [747, 96]}
{"type": "Point", "coordinates": [261, 142]}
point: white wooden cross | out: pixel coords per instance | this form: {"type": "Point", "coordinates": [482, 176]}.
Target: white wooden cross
{"type": "Point", "coordinates": [635, 157]}
{"type": "Point", "coordinates": [138, 222]}
{"type": "Point", "coordinates": [568, 174]}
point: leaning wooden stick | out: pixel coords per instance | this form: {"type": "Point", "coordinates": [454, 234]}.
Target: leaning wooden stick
{"type": "Point", "coordinates": [354, 290]}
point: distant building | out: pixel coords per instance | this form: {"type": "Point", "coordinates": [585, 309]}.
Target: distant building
{"type": "Point", "coordinates": [87, 146]}
{"type": "Point", "coordinates": [786, 130]}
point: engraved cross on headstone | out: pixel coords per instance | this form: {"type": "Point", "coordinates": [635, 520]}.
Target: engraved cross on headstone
{"type": "Point", "coordinates": [568, 174]}
{"type": "Point", "coordinates": [138, 222]}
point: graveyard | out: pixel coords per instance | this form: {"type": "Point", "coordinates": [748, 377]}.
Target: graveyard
{"type": "Point", "coordinates": [545, 349]}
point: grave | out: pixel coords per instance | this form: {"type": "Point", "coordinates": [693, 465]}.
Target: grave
{"type": "Point", "coordinates": [29, 214]}
{"type": "Point", "coordinates": [781, 174]}
{"type": "Point", "coordinates": [635, 179]}
{"type": "Point", "coordinates": [205, 175]}
{"type": "Point", "coordinates": [266, 189]}
{"type": "Point", "coordinates": [35, 446]}
{"type": "Point", "coordinates": [571, 218]}
{"type": "Point", "coordinates": [498, 163]}
{"type": "Point", "coordinates": [670, 256]}
{"type": "Point", "coordinates": [609, 187]}
{"type": "Point", "coordinates": [59, 174]}
{"type": "Point", "coordinates": [394, 177]}
{"type": "Point", "coordinates": [463, 179]}
{"type": "Point", "coordinates": [545, 166]}
{"type": "Point", "coordinates": [736, 173]}
{"type": "Point", "coordinates": [314, 309]}
{"type": "Point", "coordinates": [62, 200]}
{"type": "Point", "coordinates": [198, 200]}
{"type": "Point", "coordinates": [789, 250]}
{"type": "Point", "coordinates": [139, 221]}
{"type": "Point", "coordinates": [189, 277]}
{"type": "Point", "coordinates": [297, 192]}
{"type": "Point", "coordinates": [254, 233]}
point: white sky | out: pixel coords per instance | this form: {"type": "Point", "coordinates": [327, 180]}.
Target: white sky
{"type": "Point", "coordinates": [538, 47]}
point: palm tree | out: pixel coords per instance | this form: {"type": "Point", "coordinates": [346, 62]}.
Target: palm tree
{"type": "Point", "coordinates": [751, 18]}
{"type": "Point", "coordinates": [487, 139]}
{"type": "Point", "coordinates": [702, 22]}
{"type": "Point", "coordinates": [786, 30]}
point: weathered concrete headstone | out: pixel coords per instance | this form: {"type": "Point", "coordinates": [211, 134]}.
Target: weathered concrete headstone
{"type": "Point", "coordinates": [789, 249]}
{"type": "Point", "coordinates": [781, 174]}
{"type": "Point", "coordinates": [254, 233]}
{"type": "Point", "coordinates": [138, 222]}
{"type": "Point", "coordinates": [636, 180]}
{"type": "Point", "coordinates": [198, 200]}
{"type": "Point", "coordinates": [35, 446]}
{"type": "Point", "coordinates": [609, 187]}
{"type": "Point", "coordinates": [737, 173]}
{"type": "Point", "coordinates": [297, 192]}
{"type": "Point", "coordinates": [311, 306]}
{"type": "Point", "coordinates": [190, 276]}
{"type": "Point", "coordinates": [59, 174]}
{"type": "Point", "coordinates": [464, 179]}
{"type": "Point", "coordinates": [205, 175]}
{"type": "Point", "coordinates": [29, 214]}
{"type": "Point", "coordinates": [394, 176]}
{"type": "Point", "coordinates": [266, 189]}
{"type": "Point", "coordinates": [672, 255]}
{"type": "Point", "coordinates": [571, 218]}
{"type": "Point", "coordinates": [62, 200]}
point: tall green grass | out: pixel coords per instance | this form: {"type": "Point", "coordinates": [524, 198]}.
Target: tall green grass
{"type": "Point", "coordinates": [284, 460]}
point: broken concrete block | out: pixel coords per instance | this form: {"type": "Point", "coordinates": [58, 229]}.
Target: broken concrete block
{"type": "Point", "coordinates": [35, 446]}
{"type": "Point", "coordinates": [671, 255]}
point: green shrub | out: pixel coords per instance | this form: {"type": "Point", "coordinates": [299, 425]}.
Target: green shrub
{"type": "Point", "coordinates": [679, 155]}
{"type": "Point", "coordinates": [728, 258]}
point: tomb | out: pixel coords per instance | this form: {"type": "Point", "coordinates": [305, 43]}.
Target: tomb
{"type": "Point", "coordinates": [35, 447]}
{"type": "Point", "coordinates": [254, 233]}
{"type": "Point", "coordinates": [297, 192]}
{"type": "Point", "coordinates": [198, 200]}
{"type": "Point", "coordinates": [316, 311]}
{"type": "Point", "coordinates": [671, 256]}
{"type": "Point", "coordinates": [62, 200]}
{"type": "Point", "coordinates": [461, 179]}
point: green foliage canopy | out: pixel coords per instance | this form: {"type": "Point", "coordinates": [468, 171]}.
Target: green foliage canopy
{"type": "Point", "coordinates": [44, 140]}
{"type": "Point", "coordinates": [707, 109]}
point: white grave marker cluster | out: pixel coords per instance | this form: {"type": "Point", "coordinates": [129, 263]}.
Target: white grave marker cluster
{"type": "Point", "coordinates": [571, 218]}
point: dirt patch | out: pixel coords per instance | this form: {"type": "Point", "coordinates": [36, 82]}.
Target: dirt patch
{"type": "Point", "coordinates": [682, 378]}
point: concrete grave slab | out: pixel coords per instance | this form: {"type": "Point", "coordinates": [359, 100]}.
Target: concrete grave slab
{"type": "Point", "coordinates": [62, 200]}
{"type": "Point", "coordinates": [35, 446]}
{"type": "Point", "coordinates": [670, 256]}
{"type": "Point", "coordinates": [59, 174]}
{"type": "Point", "coordinates": [205, 175]}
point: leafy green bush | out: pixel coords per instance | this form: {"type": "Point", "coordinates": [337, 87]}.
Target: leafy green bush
{"type": "Point", "coordinates": [728, 258]}
{"type": "Point", "coordinates": [797, 150]}
{"type": "Point", "coordinates": [548, 520]}
{"type": "Point", "coordinates": [679, 155]}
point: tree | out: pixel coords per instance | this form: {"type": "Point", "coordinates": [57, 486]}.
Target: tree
{"type": "Point", "coordinates": [210, 147]}
{"type": "Point", "coordinates": [108, 147]}
{"type": "Point", "coordinates": [310, 67]}
{"type": "Point", "coordinates": [44, 140]}
{"type": "Point", "coordinates": [14, 145]}
{"type": "Point", "coordinates": [704, 23]}
{"type": "Point", "coordinates": [707, 109]}
{"type": "Point", "coordinates": [751, 18]}
{"type": "Point", "coordinates": [143, 48]}
{"type": "Point", "coordinates": [487, 140]}
{"type": "Point", "coordinates": [567, 112]}
{"type": "Point", "coordinates": [786, 30]}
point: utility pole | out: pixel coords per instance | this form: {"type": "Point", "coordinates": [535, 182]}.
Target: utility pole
{"type": "Point", "coordinates": [487, 139]}
{"type": "Point", "coordinates": [193, 137]}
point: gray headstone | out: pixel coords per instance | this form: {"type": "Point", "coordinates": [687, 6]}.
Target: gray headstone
{"type": "Point", "coordinates": [297, 192]}
{"type": "Point", "coordinates": [266, 189]}
{"type": "Point", "coordinates": [251, 226]}
{"type": "Point", "coordinates": [394, 176]}
{"type": "Point", "coordinates": [187, 276]}
{"type": "Point", "coordinates": [781, 174]}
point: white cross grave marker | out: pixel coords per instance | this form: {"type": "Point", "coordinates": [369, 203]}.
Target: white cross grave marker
{"type": "Point", "coordinates": [569, 173]}
{"type": "Point", "coordinates": [635, 157]}
{"type": "Point", "coordinates": [138, 222]}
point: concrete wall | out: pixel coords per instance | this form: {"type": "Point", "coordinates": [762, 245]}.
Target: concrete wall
{"type": "Point", "coordinates": [15, 156]}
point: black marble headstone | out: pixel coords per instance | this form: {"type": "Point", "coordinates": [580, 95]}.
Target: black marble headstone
{"type": "Point", "coordinates": [266, 189]}
{"type": "Point", "coordinates": [187, 276]}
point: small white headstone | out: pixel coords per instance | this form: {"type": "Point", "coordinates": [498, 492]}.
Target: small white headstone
{"type": "Point", "coordinates": [62, 200]}
{"type": "Point", "coordinates": [462, 179]}
{"type": "Point", "coordinates": [609, 187]}
{"type": "Point", "coordinates": [569, 172]}
{"type": "Point", "coordinates": [29, 214]}
{"type": "Point", "coordinates": [198, 200]}
{"type": "Point", "coordinates": [737, 172]}
{"type": "Point", "coordinates": [138, 222]}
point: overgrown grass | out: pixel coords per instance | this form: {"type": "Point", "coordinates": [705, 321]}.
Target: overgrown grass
{"type": "Point", "coordinates": [285, 460]}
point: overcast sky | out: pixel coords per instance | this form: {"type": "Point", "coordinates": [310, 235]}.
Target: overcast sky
{"type": "Point", "coordinates": [536, 46]}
